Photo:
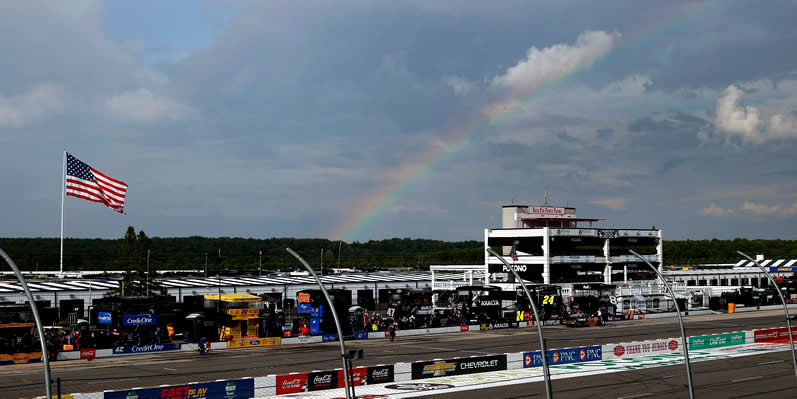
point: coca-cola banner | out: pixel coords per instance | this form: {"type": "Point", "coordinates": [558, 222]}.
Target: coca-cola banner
{"type": "Point", "coordinates": [291, 383]}
{"type": "Point", "coordinates": [379, 374]}
{"type": "Point", "coordinates": [357, 375]}
{"type": "Point", "coordinates": [777, 335]}
{"type": "Point", "coordinates": [319, 380]}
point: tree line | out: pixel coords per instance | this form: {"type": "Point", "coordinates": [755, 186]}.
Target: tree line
{"type": "Point", "coordinates": [228, 253]}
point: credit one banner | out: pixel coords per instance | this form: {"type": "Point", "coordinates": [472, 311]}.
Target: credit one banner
{"type": "Point", "coordinates": [250, 342]}
{"type": "Point", "coordinates": [470, 365]}
{"type": "Point", "coordinates": [235, 389]}
{"type": "Point", "coordinates": [142, 319]}
{"type": "Point", "coordinates": [329, 337]}
{"type": "Point", "coordinates": [564, 356]}
{"type": "Point", "coordinates": [641, 348]}
{"type": "Point", "coordinates": [145, 348]}
{"type": "Point", "coordinates": [716, 340]}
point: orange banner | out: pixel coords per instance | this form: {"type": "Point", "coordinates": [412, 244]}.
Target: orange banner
{"type": "Point", "coordinates": [250, 342]}
{"type": "Point", "coordinates": [19, 358]}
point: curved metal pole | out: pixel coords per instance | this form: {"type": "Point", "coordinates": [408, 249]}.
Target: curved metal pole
{"type": "Point", "coordinates": [543, 352]}
{"type": "Point", "coordinates": [36, 317]}
{"type": "Point", "coordinates": [785, 308]}
{"type": "Point", "coordinates": [334, 315]}
{"type": "Point", "coordinates": [680, 321]}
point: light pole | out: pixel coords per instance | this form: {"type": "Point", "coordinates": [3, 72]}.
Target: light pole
{"type": "Point", "coordinates": [206, 265]}
{"type": "Point", "coordinates": [680, 321]}
{"type": "Point", "coordinates": [334, 315]}
{"type": "Point", "coordinates": [543, 352]}
{"type": "Point", "coordinates": [260, 264]}
{"type": "Point", "coordinates": [785, 308]}
{"type": "Point", "coordinates": [38, 320]}
{"type": "Point", "coordinates": [147, 272]}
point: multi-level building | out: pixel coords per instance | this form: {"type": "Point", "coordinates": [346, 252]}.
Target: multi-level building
{"type": "Point", "coordinates": [556, 246]}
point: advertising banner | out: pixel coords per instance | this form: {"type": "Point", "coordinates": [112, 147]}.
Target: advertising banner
{"type": "Point", "coordinates": [497, 325]}
{"type": "Point", "coordinates": [244, 314]}
{"type": "Point", "coordinates": [631, 349]}
{"type": "Point", "coordinates": [329, 337]}
{"type": "Point", "coordinates": [320, 380]}
{"type": "Point", "coordinates": [250, 342]}
{"type": "Point", "coordinates": [380, 374]}
{"type": "Point", "coordinates": [357, 376]}
{"type": "Point", "coordinates": [464, 328]}
{"type": "Point", "coordinates": [20, 358]}
{"type": "Point", "coordinates": [303, 308]}
{"type": "Point", "coordinates": [88, 353]}
{"type": "Point", "coordinates": [564, 356]}
{"type": "Point", "coordinates": [120, 350]}
{"type": "Point", "coordinates": [142, 319]}
{"type": "Point", "coordinates": [314, 329]}
{"type": "Point", "coordinates": [361, 335]}
{"type": "Point", "coordinates": [104, 318]}
{"type": "Point", "coordinates": [291, 383]}
{"type": "Point", "coordinates": [471, 365]}
{"type": "Point", "coordinates": [235, 389]}
{"type": "Point", "coordinates": [777, 335]}
{"type": "Point", "coordinates": [716, 340]}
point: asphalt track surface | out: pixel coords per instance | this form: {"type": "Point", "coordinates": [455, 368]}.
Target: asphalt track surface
{"type": "Point", "coordinates": [768, 376]}
{"type": "Point", "coordinates": [123, 372]}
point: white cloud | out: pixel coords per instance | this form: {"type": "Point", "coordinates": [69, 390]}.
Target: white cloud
{"type": "Point", "coordinates": [715, 210]}
{"type": "Point", "coordinates": [616, 204]}
{"type": "Point", "coordinates": [783, 125]}
{"type": "Point", "coordinates": [770, 210]}
{"type": "Point", "coordinates": [751, 208]}
{"type": "Point", "coordinates": [144, 106]}
{"type": "Point", "coordinates": [35, 104]}
{"type": "Point", "coordinates": [733, 119]}
{"type": "Point", "coordinates": [736, 119]}
{"type": "Point", "coordinates": [542, 66]}
{"type": "Point", "coordinates": [460, 85]}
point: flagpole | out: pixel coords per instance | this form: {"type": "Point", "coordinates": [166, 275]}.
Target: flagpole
{"type": "Point", "coordinates": [63, 194]}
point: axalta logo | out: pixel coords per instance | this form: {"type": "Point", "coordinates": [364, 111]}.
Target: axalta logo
{"type": "Point", "coordinates": [490, 302]}
{"type": "Point", "coordinates": [438, 369]}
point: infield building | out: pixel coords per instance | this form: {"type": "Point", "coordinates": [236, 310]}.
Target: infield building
{"type": "Point", "coordinates": [554, 245]}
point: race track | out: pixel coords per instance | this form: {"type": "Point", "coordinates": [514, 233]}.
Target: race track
{"type": "Point", "coordinates": [174, 368]}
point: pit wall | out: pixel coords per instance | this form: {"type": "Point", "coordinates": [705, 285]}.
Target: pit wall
{"type": "Point", "coordinates": [294, 383]}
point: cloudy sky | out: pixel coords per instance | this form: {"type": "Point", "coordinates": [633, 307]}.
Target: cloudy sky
{"type": "Point", "coordinates": [358, 120]}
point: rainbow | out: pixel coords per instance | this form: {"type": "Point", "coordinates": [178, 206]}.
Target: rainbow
{"type": "Point", "coordinates": [360, 216]}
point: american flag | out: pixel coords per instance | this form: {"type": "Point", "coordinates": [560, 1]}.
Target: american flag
{"type": "Point", "coordinates": [85, 182]}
